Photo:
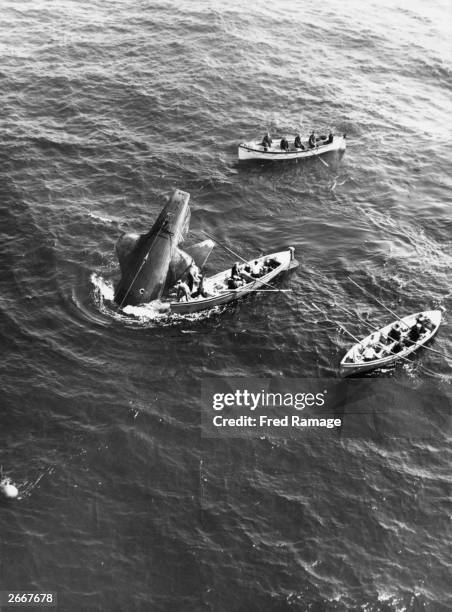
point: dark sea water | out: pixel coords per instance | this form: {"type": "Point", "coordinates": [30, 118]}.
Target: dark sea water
{"type": "Point", "coordinates": [124, 506]}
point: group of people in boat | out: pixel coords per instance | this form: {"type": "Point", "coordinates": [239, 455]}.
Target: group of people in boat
{"type": "Point", "coordinates": [241, 274]}
{"type": "Point", "coordinates": [193, 287]}
{"type": "Point", "coordinates": [312, 143]}
{"type": "Point", "coordinates": [399, 338]}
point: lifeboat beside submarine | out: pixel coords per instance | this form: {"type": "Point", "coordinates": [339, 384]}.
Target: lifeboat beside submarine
{"type": "Point", "coordinates": [152, 263]}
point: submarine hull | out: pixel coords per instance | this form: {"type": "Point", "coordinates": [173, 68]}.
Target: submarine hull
{"type": "Point", "coordinates": [145, 259]}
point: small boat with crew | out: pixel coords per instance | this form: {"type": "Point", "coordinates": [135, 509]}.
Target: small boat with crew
{"type": "Point", "coordinates": [284, 148]}
{"type": "Point", "coordinates": [236, 283]}
{"type": "Point", "coordinates": [392, 342]}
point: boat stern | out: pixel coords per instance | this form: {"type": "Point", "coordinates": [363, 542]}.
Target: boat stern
{"type": "Point", "coordinates": [343, 143]}
{"type": "Point", "coordinates": [435, 316]}
{"type": "Point", "coordinates": [245, 151]}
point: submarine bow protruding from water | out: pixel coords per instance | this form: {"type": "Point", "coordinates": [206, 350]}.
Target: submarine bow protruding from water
{"type": "Point", "coordinates": [151, 263]}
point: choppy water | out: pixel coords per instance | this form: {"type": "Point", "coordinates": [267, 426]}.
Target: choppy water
{"type": "Point", "coordinates": [105, 107]}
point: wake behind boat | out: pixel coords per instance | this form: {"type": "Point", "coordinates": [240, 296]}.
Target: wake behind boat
{"type": "Point", "coordinates": [225, 287]}
{"type": "Point", "coordinates": [392, 342]}
{"type": "Point", "coordinates": [280, 149]}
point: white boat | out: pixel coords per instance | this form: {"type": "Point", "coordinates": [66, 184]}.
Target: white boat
{"type": "Point", "coordinates": [255, 150]}
{"type": "Point", "coordinates": [219, 293]}
{"type": "Point", "coordinates": [353, 361]}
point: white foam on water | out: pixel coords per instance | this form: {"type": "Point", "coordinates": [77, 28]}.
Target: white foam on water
{"type": "Point", "coordinates": [103, 288]}
{"type": "Point", "coordinates": [153, 312]}
{"type": "Point", "coordinates": [101, 218]}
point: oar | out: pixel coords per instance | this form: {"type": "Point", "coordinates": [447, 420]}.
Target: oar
{"type": "Point", "coordinates": [224, 246]}
{"type": "Point", "coordinates": [338, 324]}
{"type": "Point", "coordinates": [318, 156]}
{"type": "Point", "coordinates": [378, 302]}
{"type": "Point", "coordinates": [359, 341]}
{"type": "Point", "coordinates": [205, 260]}
{"type": "Point", "coordinates": [237, 256]}
{"type": "Point", "coordinates": [428, 348]}
{"type": "Point", "coordinates": [322, 160]}
{"type": "Point", "coordinates": [358, 317]}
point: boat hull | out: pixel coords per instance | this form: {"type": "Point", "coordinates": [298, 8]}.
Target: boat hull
{"type": "Point", "coordinates": [225, 296]}
{"type": "Point", "coordinates": [350, 367]}
{"type": "Point", "coordinates": [254, 150]}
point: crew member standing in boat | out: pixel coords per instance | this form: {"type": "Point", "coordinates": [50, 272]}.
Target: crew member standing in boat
{"type": "Point", "coordinates": [330, 138]}
{"type": "Point", "coordinates": [284, 144]}
{"type": "Point", "coordinates": [266, 141]}
{"type": "Point", "coordinates": [312, 141]}
{"type": "Point", "coordinates": [192, 275]}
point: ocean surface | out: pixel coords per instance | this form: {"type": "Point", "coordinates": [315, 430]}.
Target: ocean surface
{"type": "Point", "coordinates": [106, 107]}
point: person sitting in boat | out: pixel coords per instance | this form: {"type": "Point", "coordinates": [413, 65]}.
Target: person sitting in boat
{"type": "Point", "coordinates": [240, 274]}
{"type": "Point", "coordinates": [373, 349]}
{"type": "Point", "coordinates": [414, 333]}
{"type": "Point", "coordinates": [273, 263]}
{"type": "Point", "coordinates": [266, 268]}
{"type": "Point", "coordinates": [284, 144]}
{"type": "Point", "coordinates": [375, 338]}
{"type": "Point", "coordinates": [357, 353]}
{"type": "Point", "coordinates": [297, 142]}
{"type": "Point", "coordinates": [370, 353]}
{"type": "Point", "coordinates": [395, 334]}
{"type": "Point", "coordinates": [235, 270]}
{"type": "Point", "coordinates": [425, 323]}
{"type": "Point", "coordinates": [266, 141]}
{"type": "Point", "coordinates": [192, 276]}
{"type": "Point", "coordinates": [421, 324]}
{"type": "Point", "coordinates": [256, 269]}
{"type": "Point", "coordinates": [312, 141]}
{"type": "Point", "coordinates": [330, 138]}
{"type": "Point", "coordinates": [396, 347]}
{"type": "Point", "coordinates": [235, 283]}
{"type": "Point", "coordinates": [245, 274]}
{"type": "Point", "coordinates": [182, 291]}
